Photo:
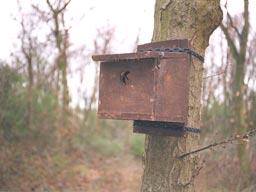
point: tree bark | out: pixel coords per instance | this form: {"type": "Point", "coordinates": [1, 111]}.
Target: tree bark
{"type": "Point", "coordinates": [180, 19]}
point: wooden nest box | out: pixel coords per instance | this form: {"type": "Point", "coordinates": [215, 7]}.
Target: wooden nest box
{"type": "Point", "coordinates": [149, 86]}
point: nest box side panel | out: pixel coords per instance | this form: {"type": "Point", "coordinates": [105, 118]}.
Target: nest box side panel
{"type": "Point", "coordinates": [172, 82]}
{"type": "Point", "coordinates": [130, 96]}
{"type": "Point", "coordinates": [172, 89]}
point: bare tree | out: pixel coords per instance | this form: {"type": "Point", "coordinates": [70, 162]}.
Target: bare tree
{"type": "Point", "coordinates": [61, 35]}
{"type": "Point", "coordinates": [29, 57]}
{"type": "Point", "coordinates": [238, 52]}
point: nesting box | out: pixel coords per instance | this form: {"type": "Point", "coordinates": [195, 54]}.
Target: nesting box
{"type": "Point", "coordinates": [150, 87]}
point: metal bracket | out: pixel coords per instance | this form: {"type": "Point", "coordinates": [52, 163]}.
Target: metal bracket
{"type": "Point", "coordinates": [163, 128]}
{"type": "Point", "coordinates": [176, 50]}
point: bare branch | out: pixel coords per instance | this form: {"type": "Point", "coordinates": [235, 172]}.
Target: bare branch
{"type": "Point", "coordinates": [217, 74]}
{"type": "Point", "coordinates": [245, 31]}
{"type": "Point", "coordinates": [43, 15]}
{"type": "Point", "coordinates": [232, 25]}
{"type": "Point", "coordinates": [50, 5]}
{"type": "Point", "coordinates": [64, 6]}
{"type": "Point", "coordinates": [243, 137]}
{"type": "Point", "coordinates": [231, 21]}
{"type": "Point", "coordinates": [230, 41]}
{"type": "Point", "coordinates": [36, 8]}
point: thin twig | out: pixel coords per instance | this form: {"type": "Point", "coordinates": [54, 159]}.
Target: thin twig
{"type": "Point", "coordinates": [64, 6]}
{"type": "Point", "coordinates": [219, 73]}
{"type": "Point", "coordinates": [235, 138]}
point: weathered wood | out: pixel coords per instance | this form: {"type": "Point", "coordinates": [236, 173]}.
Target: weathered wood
{"type": "Point", "coordinates": [136, 56]}
{"type": "Point", "coordinates": [156, 88]}
{"type": "Point", "coordinates": [132, 100]}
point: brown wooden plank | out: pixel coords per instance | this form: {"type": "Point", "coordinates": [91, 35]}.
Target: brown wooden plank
{"type": "Point", "coordinates": [125, 56]}
{"type": "Point", "coordinates": [151, 93]}
{"type": "Point", "coordinates": [156, 88]}
{"type": "Point", "coordinates": [134, 100]}
{"type": "Point", "coordinates": [135, 56]}
{"type": "Point", "coordinates": [171, 90]}
{"type": "Point", "coordinates": [171, 103]}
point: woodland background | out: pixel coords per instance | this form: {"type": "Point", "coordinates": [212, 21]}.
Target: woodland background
{"type": "Point", "coordinates": [49, 144]}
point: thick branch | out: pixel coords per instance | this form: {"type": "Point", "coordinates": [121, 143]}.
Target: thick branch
{"type": "Point", "coordinates": [244, 35]}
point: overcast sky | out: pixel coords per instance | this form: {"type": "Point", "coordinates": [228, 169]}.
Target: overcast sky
{"type": "Point", "coordinates": [127, 16]}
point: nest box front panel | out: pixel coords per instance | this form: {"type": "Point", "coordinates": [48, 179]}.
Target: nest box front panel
{"type": "Point", "coordinates": [126, 89]}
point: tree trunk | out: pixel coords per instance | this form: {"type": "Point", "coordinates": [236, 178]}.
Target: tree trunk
{"type": "Point", "coordinates": [180, 19]}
